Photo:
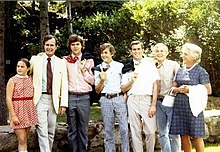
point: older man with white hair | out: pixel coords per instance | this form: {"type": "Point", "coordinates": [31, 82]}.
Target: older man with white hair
{"type": "Point", "coordinates": [167, 70]}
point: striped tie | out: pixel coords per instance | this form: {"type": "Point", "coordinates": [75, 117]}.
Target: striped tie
{"type": "Point", "coordinates": [49, 76]}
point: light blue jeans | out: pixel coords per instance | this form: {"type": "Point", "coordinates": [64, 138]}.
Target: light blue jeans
{"type": "Point", "coordinates": [169, 143]}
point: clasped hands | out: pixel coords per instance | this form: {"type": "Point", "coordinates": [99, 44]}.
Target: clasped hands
{"type": "Point", "coordinates": [184, 89]}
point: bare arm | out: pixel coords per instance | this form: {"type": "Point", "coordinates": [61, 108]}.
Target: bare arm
{"type": "Point", "coordinates": [9, 95]}
{"type": "Point", "coordinates": [208, 87]}
{"type": "Point", "coordinates": [100, 85]}
{"type": "Point", "coordinates": [152, 109]}
{"type": "Point", "coordinates": [154, 100]}
{"type": "Point", "coordinates": [126, 87]}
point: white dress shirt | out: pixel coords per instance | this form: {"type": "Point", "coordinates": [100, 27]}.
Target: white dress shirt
{"type": "Point", "coordinates": [147, 75]}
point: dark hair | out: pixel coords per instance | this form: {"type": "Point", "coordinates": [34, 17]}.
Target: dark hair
{"type": "Point", "coordinates": [48, 37]}
{"type": "Point", "coordinates": [75, 38]}
{"type": "Point", "coordinates": [136, 43]}
{"type": "Point", "coordinates": [25, 60]}
{"type": "Point", "coordinates": [105, 46]}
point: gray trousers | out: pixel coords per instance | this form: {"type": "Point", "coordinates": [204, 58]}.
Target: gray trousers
{"type": "Point", "coordinates": [78, 120]}
{"type": "Point", "coordinates": [47, 117]}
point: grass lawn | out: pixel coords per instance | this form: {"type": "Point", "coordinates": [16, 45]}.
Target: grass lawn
{"type": "Point", "coordinates": [210, 147]}
{"type": "Point", "coordinates": [95, 114]}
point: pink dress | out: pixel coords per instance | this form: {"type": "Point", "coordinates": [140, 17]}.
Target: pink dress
{"type": "Point", "coordinates": [23, 102]}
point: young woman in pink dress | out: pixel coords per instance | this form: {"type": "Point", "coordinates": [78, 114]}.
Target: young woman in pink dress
{"type": "Point", "coordinates": [19, 99]}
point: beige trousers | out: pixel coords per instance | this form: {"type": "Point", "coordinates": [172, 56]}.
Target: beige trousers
{"type": "Point", "coordinates": [138, 106]}
{"type": "Point", "coordinates": [46, 123]}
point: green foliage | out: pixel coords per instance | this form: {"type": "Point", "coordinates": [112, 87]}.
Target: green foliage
{"type": "Point", "coordinates": [109, 27]}
{"type": "Point", "coordinates": [203, 29]}
{"type": "Point", "coordinates": [170, 22]}
{"type": "Point", "coordinates": [177, 22]}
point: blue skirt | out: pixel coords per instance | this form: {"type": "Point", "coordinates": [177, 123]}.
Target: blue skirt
{"type": "Point", "coordinates": [183, 121]}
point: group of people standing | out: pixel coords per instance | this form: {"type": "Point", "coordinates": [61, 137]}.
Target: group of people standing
{"type": "Point", "coordinates": [133, 92]}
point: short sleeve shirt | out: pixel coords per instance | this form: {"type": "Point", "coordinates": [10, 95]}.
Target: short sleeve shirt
{"type": "Point", "coordinates": [147, 75]}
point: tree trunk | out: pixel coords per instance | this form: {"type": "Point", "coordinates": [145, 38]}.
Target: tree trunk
{"type": "Point", "coordinates": [3, 112]}
{"type": "Point", "coordinates": [33, 6]}
{"type": "Point", "coordinates": [69, 17]}
{"type": "Point", "coordinates": [44, 20]}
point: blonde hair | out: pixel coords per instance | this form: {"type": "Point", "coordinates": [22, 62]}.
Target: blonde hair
{"type": "Point", "coordinates": [194, 51]}
{"type": "Point", "coordinates": [163, 46]}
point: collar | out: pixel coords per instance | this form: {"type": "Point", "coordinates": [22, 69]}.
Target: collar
{"type": "Point", "coordinates": [106, 66]}
{"type": "Point", "coordinates": [21, 76]}
{"type": "Point", "coordinates": [45, 57]}
{"type": "Point", "coordinates": [137, 63]}
{"type": "Point", "coordinates": [188, 69]}
{"type": "Point", "coordinates": [79, 57]}
{"type": "Point", "coordinates": [159, 65]}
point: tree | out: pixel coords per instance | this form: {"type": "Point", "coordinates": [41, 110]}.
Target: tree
{"type": "Point", "coordinates": [152, 21]}
{"type": "Point", "coordinates": [69, 17]}
{"type": "Point", "coordinates": [44, 19]}
{"type": "Point", "coordinates": [177, 22]}
{"type": "Point", "coordinates": [3, 113]}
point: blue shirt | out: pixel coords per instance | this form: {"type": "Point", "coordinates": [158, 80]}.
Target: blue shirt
{"type": "Point", "coordinates": [112, 83]}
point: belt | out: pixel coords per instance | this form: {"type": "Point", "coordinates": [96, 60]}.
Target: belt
{"type": "Point", "coordinates": [110, 96]}
{"type": "Point", "coordinates": [22, 98]}
{"type": "Point", "coordinates": [78, 93]}
{"type": "Point", "coordinates": [46, 93]}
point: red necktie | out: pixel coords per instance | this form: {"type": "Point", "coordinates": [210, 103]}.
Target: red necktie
{"type": "Point", "coordinates": [49, 76]}
{"type": "Point", "coordinates": [75, 59]}
{"type": "Point", "coordinates": [71, 59]}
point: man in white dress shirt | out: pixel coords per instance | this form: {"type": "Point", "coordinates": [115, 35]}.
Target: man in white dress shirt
{"type": "Point", "coordinates": [140, 83]}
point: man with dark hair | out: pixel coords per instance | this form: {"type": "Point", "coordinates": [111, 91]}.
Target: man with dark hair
{"type": "Point", "coordinates": [80, 81]}
{"type": "Point", "coordinates": [139, 81]}
{"type": "Point", "coordinates": [50, 91]}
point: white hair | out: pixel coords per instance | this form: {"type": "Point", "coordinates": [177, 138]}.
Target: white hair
{"type": "Point", "coordinates": [194, 51]}
{"type": "Point", "coordinates": [163, 46]}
